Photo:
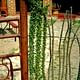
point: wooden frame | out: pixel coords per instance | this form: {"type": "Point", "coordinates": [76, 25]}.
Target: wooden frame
{"type": "Point", "coordinates": [24, 39]}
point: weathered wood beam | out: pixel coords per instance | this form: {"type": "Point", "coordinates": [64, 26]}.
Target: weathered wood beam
{"type": "Point", "coordinates": [23, 40]}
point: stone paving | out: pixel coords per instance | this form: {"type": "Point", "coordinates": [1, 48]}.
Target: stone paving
{"type": "Point", "coordinates": [74, 57]}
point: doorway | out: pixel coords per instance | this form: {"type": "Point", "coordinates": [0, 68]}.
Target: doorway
{"type": "Point", "coordinates": [17, 5]}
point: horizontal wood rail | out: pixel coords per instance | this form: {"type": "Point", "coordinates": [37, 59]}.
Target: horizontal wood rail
{"type": "Point", "coordinates": [9, 18]}
{"type": "Point", "coordinates": [9, 36]}
{"type": "Point", "coordinates": [9, 55]}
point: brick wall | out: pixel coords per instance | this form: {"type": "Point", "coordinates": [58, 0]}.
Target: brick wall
{"type": "Point", "coordinates": [11, 7]}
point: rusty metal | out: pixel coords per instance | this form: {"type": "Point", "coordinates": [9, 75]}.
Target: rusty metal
{"type": "Point", "coordinates": [10, 68]}
{"type": "Point", "coordinates": [24, 40]}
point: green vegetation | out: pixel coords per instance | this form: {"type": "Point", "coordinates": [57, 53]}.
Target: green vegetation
{"type": "Point", "coordinates": [37, 40]}
{"type": "Point", "coordinates": [59, 68]}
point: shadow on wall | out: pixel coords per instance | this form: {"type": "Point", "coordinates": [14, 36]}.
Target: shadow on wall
{"type": "Point", "coordinates": [66, 4]}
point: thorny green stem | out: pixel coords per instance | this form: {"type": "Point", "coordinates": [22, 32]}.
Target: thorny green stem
{"type": "Point", "coordinates": [52, 49]}
{"type": "Point", "coordinates": [64, 52]}
{"type": "Point", "coordinates": [60, 51]}
{"type": "Point", "coordinates": [50, 52]}
{"type": "Point", "coordinates": [70, 48]}
{"type": "Point", "coordinates": [70, 52]}
{"type": "Point", "coordinates": [67, 50]}
{"type": "Point", "coordinates": [78, 77]}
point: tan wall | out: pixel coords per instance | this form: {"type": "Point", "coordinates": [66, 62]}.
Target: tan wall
{"type": "Point", "coordinates": [11, 7]}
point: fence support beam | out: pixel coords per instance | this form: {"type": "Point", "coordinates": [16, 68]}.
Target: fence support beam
{"type": "Point", "coordinates": [23, 40]}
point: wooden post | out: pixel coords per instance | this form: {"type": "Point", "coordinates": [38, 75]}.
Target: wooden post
{"type": "Point", "coordinates": [4, 6]}
{"type": "Point", "coordinates": [23, 40]}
